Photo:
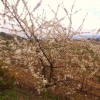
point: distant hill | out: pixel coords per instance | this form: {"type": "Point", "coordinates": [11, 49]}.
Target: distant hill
{"type": "Point", "coordinates": [7, 36]}
{"type": "Point", "coordinates": [97, 39]}
{"type": "Point", "coordinates": [88, 36]}
{"type": "Point", "coordinates": [10, 36]}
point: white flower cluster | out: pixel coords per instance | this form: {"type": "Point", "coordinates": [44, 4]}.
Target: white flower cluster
{"type": "Point", "coordinates": [75, 57]}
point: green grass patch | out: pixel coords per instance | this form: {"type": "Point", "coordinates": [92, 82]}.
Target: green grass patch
{"type": "Point", "coordinates": [8, 95]}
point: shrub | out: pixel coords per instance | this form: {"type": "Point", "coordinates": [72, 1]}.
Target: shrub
{"type": "Point", "coordinates": [6, 81]}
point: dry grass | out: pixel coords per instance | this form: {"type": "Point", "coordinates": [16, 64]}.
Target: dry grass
{"type": "Point", "coordinates": [27, 83]}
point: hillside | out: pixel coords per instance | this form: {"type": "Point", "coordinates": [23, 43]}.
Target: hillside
{"type": "Point", "coordinates": [7, 36]}
{"type": "Point", "coordinates": [10, 36]}
{"type": "Point", "coordinates": [21, 58]}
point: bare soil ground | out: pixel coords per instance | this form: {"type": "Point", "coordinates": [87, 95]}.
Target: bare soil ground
{"type": "Point", "coordinates": [26, 81]}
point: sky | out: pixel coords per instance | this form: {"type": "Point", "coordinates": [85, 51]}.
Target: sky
{"type": "Point", "coordinates": [92, 7]}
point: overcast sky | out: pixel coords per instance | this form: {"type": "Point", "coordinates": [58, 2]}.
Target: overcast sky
{"type": "Point", "coordinates": [92, 7]}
